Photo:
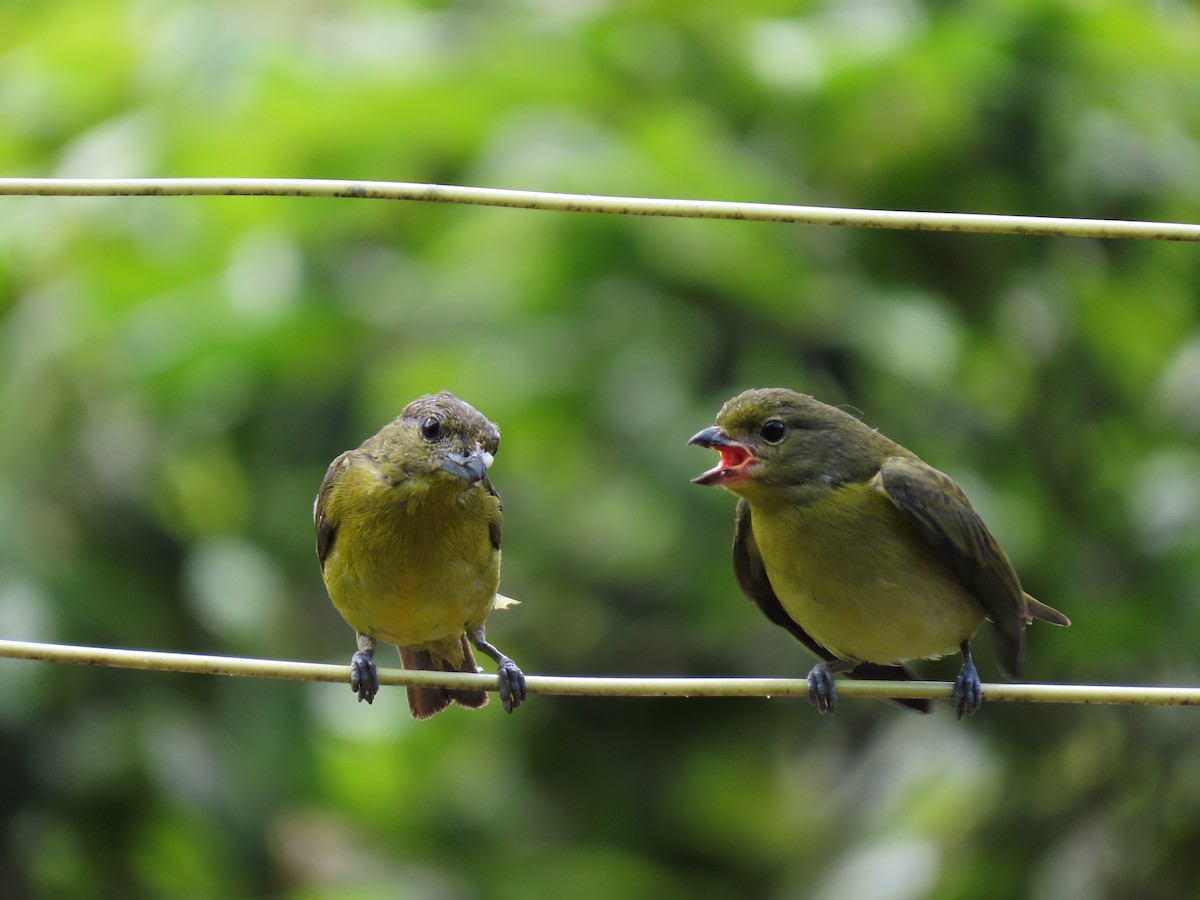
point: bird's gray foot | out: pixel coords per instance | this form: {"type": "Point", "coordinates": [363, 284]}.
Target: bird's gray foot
{"type": "Point", "coordinates": [364, 676]}
{"type": "Point", "coordinates": [512, 680]}
{"type": "Point", "coordinates": [512, 685]}
{"type": "Point", "coordinates": [822, 693]}
{"type": "Point", "coordinates": [967, 696]}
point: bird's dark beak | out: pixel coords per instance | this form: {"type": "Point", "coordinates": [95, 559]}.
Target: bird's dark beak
{"type": "Point", "coordinates": [711, 437]}
{"type": "Point", "coordinates": [470, 467]}
{"type": "Point", "coordinates": [736, 458]}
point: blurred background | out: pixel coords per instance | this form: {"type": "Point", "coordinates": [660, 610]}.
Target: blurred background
{"type": "Point", "coordinates": [176, 373]}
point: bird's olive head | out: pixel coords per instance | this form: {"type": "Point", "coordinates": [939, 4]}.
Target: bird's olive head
{"type": "Point", "coordinates": [777, 441]}
{"type": "Point", "coordinates": [441, 438]}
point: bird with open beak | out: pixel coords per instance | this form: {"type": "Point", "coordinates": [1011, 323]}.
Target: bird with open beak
{"type": "Point", "coordinates": [864, 553]}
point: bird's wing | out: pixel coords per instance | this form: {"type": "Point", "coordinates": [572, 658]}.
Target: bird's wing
{"type": "Point", "coordinates": [943, 516]}
{"type": "Point", "coordinates": [751, 574]}
{"type": "Point", "coordinates": [326, 528]}
{"type": "Point", "coordinates": [494, 524]}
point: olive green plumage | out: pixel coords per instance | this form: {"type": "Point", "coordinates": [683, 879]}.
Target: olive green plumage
{"type": "Point", "coordinates": [408, 536]}
{"type": "Point", "coordinates": [866, 554]}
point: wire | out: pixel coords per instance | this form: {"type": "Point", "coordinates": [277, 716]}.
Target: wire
{"type": "Point", "coordinates": [588, 203]}
{"type": "Point", "coordinates": [580, 686]}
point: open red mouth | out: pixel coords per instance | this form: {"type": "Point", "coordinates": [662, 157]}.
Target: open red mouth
{"type": "Point", "coordinates": [735, 461]}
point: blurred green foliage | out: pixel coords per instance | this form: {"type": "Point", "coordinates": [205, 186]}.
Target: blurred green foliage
{"type": "Point", "coordinates": [175, 374]}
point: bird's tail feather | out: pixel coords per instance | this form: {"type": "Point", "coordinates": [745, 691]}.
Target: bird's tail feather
{"type": "Point", "coordinates": [1039, 610]}
{"type": "Point", "coordinates": [425, 701]}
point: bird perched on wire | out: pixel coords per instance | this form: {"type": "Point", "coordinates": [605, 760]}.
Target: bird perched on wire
{"type": "Point", "coordinates": [408, 535]}
{"type": "Point", "coordinates": [867, 555]}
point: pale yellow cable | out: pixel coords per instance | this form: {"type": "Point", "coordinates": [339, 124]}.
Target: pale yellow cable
{"type": "Point", "coordinates": [589, 686]}
{"type": "Point", "coordinates": [588, 203]}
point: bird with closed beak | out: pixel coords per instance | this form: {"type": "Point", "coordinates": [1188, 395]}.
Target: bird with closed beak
{"type": "Point", "coordinates": [408, 536]}
{"type": "Point", "coordinates": [865, 554]}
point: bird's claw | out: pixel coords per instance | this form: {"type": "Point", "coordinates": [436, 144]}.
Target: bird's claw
{"type": "Point", "coordinates": [364, 676]}
{"type": "Point", "coordinates": [512, 684]}
{"type": "Point", "coordinates": [822, 692]}
{"type": "Point", "coordinates": [967, 695]}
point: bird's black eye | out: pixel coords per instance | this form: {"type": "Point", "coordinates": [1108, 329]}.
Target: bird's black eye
{"type": "Point", "coordinates": [773, 431]}
{"type": "Point", "coordinates": [431, 428]}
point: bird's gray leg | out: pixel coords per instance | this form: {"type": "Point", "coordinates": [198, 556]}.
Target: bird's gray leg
{"type": "Point", "coordinates": [512, 679]}
{"type": "Point", "coordinates": [968, 692]}
{"type": "Point", "coordinates": [364, 677]}
{"type": "Point", "coordinates": [822, 693]}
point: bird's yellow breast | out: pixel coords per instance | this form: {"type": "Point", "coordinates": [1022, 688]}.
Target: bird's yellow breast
{"type": "Point", "coordinates": [411, 564]}
{"type": "Point", "coordinates": [853, 573]}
